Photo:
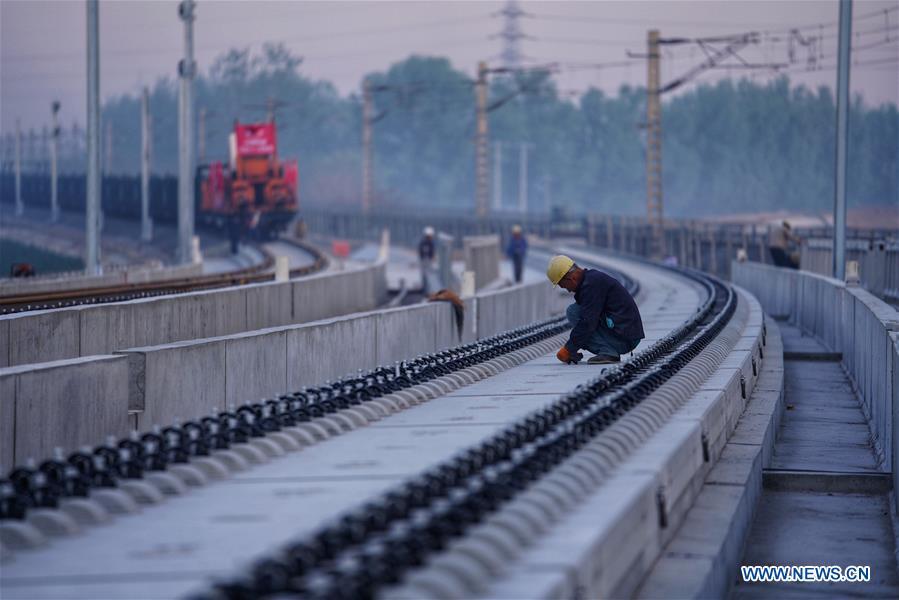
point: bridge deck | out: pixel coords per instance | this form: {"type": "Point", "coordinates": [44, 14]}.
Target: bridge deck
{"type": "Point", "coordinates": [823, 432]}
{"type": "Point", "coordinates": [179, 545]}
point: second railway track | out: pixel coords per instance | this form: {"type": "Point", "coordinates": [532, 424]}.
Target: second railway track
{"type": "Point", "coordinates": [118, 293]}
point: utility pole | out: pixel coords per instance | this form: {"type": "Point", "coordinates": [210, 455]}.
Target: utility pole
{"type": "Point", "coordinates": [366, 146]}
{"type": "Point", "coordinates": [201, 136]}
{"type": "Point", "coordinates": [523, 177]}
{"type": "Point", "coordinates": [107, 147]}
{"type": "Point", "coordinates": [92, 225]}
{"type": "Point", "coordinates": [54, 157]}
{"type": "Point", "coordinates": [186, 69]}
{"type": "Point", "coordinates": [497, 175]}
{"type": "Point", "coordinates": [481, 167]}
{"type": "Point", "coordinates": [839, 203]}
{"type": "Point", "coordinates": [654, 145]}
{"type": "Point", "coordinates": [146, 225]}
{"type": "Point", "coordinates": [45, 149]}
{"type": "Point", "coordinates": [20, 208]}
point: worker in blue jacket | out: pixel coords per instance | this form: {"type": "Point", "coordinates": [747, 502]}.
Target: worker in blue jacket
{"type": "Point", "coordinates": [605, 319]}
{"type": "Point", "coordinates": [516, 251]}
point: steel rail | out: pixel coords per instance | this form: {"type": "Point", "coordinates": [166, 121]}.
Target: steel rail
{"type": "Point", "coordinates": [130, 291]}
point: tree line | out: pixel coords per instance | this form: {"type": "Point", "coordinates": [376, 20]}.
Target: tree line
{"type": "Point", "coordinates": [732, 146]}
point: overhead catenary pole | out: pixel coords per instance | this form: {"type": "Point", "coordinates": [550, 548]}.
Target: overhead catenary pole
{"type": "Point", "coordinates": [497, 175]}
{"type": "Point", "coordinates": [201, 136]}
{"type": "Point", "coordinates": [92, 220]}
{"type": "Point", "coordinates": [654, 145]}
{"type": "Point", "coordinates": [366, 146]}
{"type": "Point", "coordinates": [839, 204]}
{"type": "Point", "coordinates": [54, 157]}
{"type": "Point", "coordinates": [186, 69]}
{"type": "Point", "coordinates": [107, 149]}
{"type": "Point", "coordinates": [146, 225]}
{"type": "Point", "coordinates": [20, 208]}
{"type": "Point", "coordinates": [481, 166]}
{"type": "Point", "coordinates": [523, 177]}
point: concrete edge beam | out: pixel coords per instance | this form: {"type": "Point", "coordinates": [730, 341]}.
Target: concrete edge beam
{"type": "Point", "coordinates": [701, 559]}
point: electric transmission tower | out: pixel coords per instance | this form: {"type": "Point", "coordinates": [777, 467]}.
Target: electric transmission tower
{"type": "Point", "coordinates": [512, 34]}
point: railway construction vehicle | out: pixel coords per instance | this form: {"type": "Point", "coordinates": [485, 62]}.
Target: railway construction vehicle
{"type": "Point", "coordinates": [256, 190]}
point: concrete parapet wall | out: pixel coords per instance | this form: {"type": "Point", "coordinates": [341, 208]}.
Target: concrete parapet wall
{"type": "Point", "coordinates": [187, 379]}
{"type": "Point", "coordinates": [482, 256]}
{"type": "Point", "coordinates": [848, 320]}
{"type": "Point", "coordinates": [65, 404]}
{"type": "Point", "coordinates": [512, 307]}
{"type": "Point", "coordinates": [100, 329]}
{"type": "Point", "coordinates": [145, 274]}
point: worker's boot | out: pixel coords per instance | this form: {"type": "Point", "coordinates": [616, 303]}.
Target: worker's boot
{"type": "Point", "coordinates": [603, 359]}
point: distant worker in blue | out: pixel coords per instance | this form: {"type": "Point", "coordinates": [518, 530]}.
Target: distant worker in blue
{"type": "Point", "coordinates": [605, 319]}
{"type": "Point", "coordinates": [516, 250]}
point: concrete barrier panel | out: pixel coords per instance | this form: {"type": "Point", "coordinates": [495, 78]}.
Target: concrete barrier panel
{"type": "Point", "coordinates": [109, 327]}
{"type": "Point", "coordinates": [407, 331]}
{"type": "Point", "coordinates": [67, 403]}
{"type": "Point", "coordinates": [7, 422]}
{"type": "Point", "coordinates": [446, 332]}
{"type": "Point", "coordinates": [183, 380]}
{"type": "Point", "coordinates": [482, 257]}
{"type": "Point", "coordinates": [43, 336]}
{"type": "Point", "coordinates": [894, 372]}
{"type": "Point", "coordinates": [255, 366]}
{"type": "Point", "coordinates": [328, 350]}
{"type": "Point", "coordinates": [268, 305]}
{"type": "Point", "coordinates": [4, 343]}
{"type": "Point", "coordinates": [209, 314]}
{"type": "Point", "coordinates": [316, 298]}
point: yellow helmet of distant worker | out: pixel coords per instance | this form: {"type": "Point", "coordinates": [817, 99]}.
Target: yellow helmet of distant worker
{"type": "Point", "coordinates": [558, 266]}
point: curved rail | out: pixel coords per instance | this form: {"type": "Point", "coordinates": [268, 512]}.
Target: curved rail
{"type": "Point", "coordinates": [131, 291]}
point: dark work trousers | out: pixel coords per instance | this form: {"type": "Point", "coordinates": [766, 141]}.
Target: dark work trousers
{"type": "Point", "coordinates": [518, 267]}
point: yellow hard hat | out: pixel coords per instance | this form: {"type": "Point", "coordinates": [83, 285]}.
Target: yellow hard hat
{"type": "Point", "coordinates": [558, 266]}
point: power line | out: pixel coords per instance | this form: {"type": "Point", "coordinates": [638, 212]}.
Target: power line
{"type": "Point", "coordinates": [301, 39]}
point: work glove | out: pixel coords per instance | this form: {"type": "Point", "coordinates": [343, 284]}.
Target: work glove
{"type": "Point", "coordinates": [567, 357]}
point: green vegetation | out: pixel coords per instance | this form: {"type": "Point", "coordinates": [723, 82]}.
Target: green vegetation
{"type": "Point", "coordinates": [734, 146]}
{"type": "Point", "coordinates": [43, 261]}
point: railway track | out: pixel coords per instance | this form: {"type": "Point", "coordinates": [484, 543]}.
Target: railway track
{"type": "Point", "coordinates": [132, 291]}
{"type": "Point", "coordinates": [374, 546]}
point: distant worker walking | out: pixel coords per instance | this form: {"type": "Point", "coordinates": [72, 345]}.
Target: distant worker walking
{"type": "Point", "coordinates": [605, 319]}
{"type": "Point", "coordinates": [426, 252]}
{"type": "Point", "coordinates": [780, 239]}
{"type": "Point", "coordinates": [516, 250]}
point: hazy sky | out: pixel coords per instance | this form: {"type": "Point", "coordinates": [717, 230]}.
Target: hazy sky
{"type": "Point", "coordinates": [42, 44]}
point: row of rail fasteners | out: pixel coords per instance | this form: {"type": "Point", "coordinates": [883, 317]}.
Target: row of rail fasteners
{"type": "Point", "coordinates": [377, 544]}
{"type": "Point", "coordinates": [108, 466]}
